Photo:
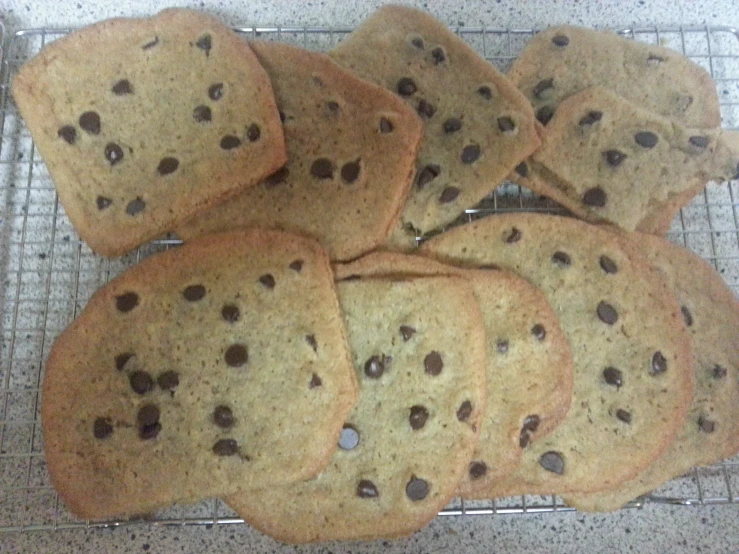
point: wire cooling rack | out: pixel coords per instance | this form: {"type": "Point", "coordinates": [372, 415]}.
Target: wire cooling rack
{"type": "Point", "coordinates": [47, 275]}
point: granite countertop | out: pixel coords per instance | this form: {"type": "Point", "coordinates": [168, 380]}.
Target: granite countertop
{"type": "Point", "coordinates": [655, 528]}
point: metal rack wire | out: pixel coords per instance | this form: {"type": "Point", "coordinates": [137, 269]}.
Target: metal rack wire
{"type": "Point", "coordinates": [47, 275]}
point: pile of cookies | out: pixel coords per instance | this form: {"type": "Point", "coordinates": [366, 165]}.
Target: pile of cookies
{"type": "Point", "coordinates": [300, 356]}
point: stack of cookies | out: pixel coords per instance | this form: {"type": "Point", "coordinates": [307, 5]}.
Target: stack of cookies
{"type": "Point", "coordinates": [518, 354]}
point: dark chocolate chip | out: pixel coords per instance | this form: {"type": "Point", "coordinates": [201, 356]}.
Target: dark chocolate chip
{"type": "Point", "coordinates": [315, 381]}
{"type": "Point", "coordinates": [135, 206]}
{"type": "Point", "coordinates": [687, 316]}
{"type": "Point", "coordinates": [350, 172]}
{"type": "Point", "coordinates": [113, 153]}
{"type": "Point", "coordinates": [193, 293]}
{"type": "Point", "coordinates": [215, 92]}
{"type": "Point", "coordinates": [202, 114]}
{"type": "Point", "coordinates": [590, 118]}
{"type": "Point", "coordinates": [699, 141]}
{"type": "Point", "coordinates": [322, 169]}
{"type": "Point", "coordinates": [501, 346]}
{"type": "Point", "coordinates": [375, 367]}
{"type": "Point", "coordinates": [427, 174]}
{"type": "Point", "coordinates": [432, 363]}
{"type": "Point", "coordinates": [225, 447]}
{"type": "Point", "coordinates": [141, 382]}
{"type": "Point", "coordinates": [659, 363]}
{"type": "Point", "coordinates": [151, 44]}
{"type": "Point", "coordinates": [267, 280]}
{"type": "Point", "coordinates": [607, 313]}
{"type": "Point", "coordinates": [646, 139]}
{"type": "Point", "coordinates": [67, 133]}
{"type": "Point", "coordinates": [438, 55]}
{"type": "Point", "coordinates": [544, 114]}
{"type": "Point", "coordinates": [102, 428]}
{"type": "Point", "coordinates": [230, 313]}
{"type": "Point", "coordinates": [407, 332]}
{"type": "Point", "coordinates": [426, 109]}
{"type": "Point", "coordinates": [522, 169]}
{"type": "Point", "coordinates": [613, 376]}
{"type": "Point", "coordinates": [608, 265]}
{"type": "Point", "coordinates": [148, 414]}
{"type": "Point", "coordinates": [513, 236]}
{"type": "Point", "coordinates": [524, 438]}
{"type": "Point", "coordinates": [416, 489]}
{"type": "Point", "coordinates": [477, 470]}
{"type": "Point", "coordinates": [464, 411]}
{"type": "Point", "coordinates": [169, 380]}
{"type": "Point", "coordinates": [470, 153]}
{"type": "Point", "coordinates": [204, 43]}
{"type": "Point", "coordinates": [706, 425]}
{"type": "Point", "coordinates": [531, 423]}
{"type": "Point", "coordinates": [561, 259]}
{"type": "Point", "coordinates": [367, 489]}
{"type": "Point", "coordinates": [253, 132]}
{"type": "Point", "coordinates": [560, 40]}
{"type": "Point", "coordinates": [614, 158]}
{"type": "Point", "coordinates": [406, 86]}
{"type": "Point", "coordinates": [541, 86]}
{"type": "Point", "coordinates": [90, 122]}
{"type": "Point", "coordinates": [236, 355]}
{"type": "Point", "coordinates": [452, 125]}
{"type": "Point", "coordinates": [296, 265]}
{"type": "Point", "coordinates": [122, 359]}
{"type": "Point", "coordinates": [311, 340]}
{"type": "Point", "coordinates": [595, 197]}
{"type": "Point", "coordinates": [449, 194]}
{"type": "Point", "coordinates": [103, 202]}
{"type": "Point", "coordinates": [552, 461]}
{"type": "Point", "coordinates": [417, 42]}
{"type": "Point", "coordinates": [623, 415]}
{"type": "Point", "coordinates": [539, 332]}
{"type": "Point", "coordinates": [122, 87]}
{"type": "Point", "coordinates": [223, 417]}
{"type": "Point", "coordinates": [386, 126]}
{"type": "Point", "coordinates": [278, 177]}
{"type": "Point", "coordinates": [655, 60]}
{"type": "Point", "coordinates": [230, 142]}
{"type": "Point", "coordinates": [147, 432]}
{"type": "Point", "coordinates": [126, 302]}
{"type": "Point", "coordinates": [506, 124]}
{"type": "Point", "coordinates": [485, 92]}
{"type": "Point", "coordinates": [418, 417]}
{"type": "Point", "coordinates": [718, 372]}
{"type": "Point", "coordinates": [349, 438]}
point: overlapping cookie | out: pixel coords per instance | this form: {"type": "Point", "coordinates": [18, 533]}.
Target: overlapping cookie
{"type": "Point", "coordinates": [218, 366]}
{"type": "Point", "coordinates": [406, 445]}
{"type": "Point", "coordinates": [631, 350]}
{"type": "Point", "coordinates": [174, 115]}
{"type": "Point", "coordinates": [351, 148]}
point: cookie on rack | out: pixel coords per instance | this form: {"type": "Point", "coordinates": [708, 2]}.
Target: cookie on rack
{"type": "Point", "coordinates": [218, 366]}
{"type": "Point", "coordinates": [478, 126]}
{"type": "Point", "coordinates": [633, 365]}
{"type": "Point", "coordinates": [529, 362]}
{"type": "Point", "coordinates": [565, 60]}
{"type": "Point", "coordinates": [409, 440]}
{"type": "Point", "coordinates": [144, 122]}
{"type": "Point", "coordinates": [351, 149]}
{"type": "Point", "coordinates": [711, 431]}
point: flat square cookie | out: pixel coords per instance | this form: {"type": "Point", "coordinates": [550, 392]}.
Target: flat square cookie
{"type": "Point", "coordinates": [351, 149]}
{"type": "Point", "coordinates": [218, 366]}
{"type": "Point", "coordinates": [633, 365]}
{"type": "Point", "coordinates": [478, 126]}
{"type": "Point", "coordinates": [144, 122]}
{"type": "Point", "coordinates": [408, 442]}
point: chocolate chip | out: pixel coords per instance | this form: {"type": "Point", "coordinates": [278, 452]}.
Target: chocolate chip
{"type": "Point", "coordinates": [122, 87]}
{"type": "Point", "coordinates": [406, 86]}
{"type": "Point", "coordinates": [122, 359]}
{"type": "Point", "coordinates": [530, 425]}
{"type": "Point", "coordinates": [477, 470]}
{"type": "Point", "coordinates": [539, 332]}
{"type": "Point", "coordinates": [432, 363]}
{"type": "Point", "coordinates": [311, 339]}
{"type": "Point", "coordinates": [524, 438]}
{"type": "Point", "coordinates": [204, 43]}
{"type": "Point", "coordinates": [438, 55]}
{"type": "Point", "coordinates": [607, 313]}
{"type": "Point", "coordinates": [215, 92]}
{"type": "Point", "coordinates": [367, 489]}
{"type": "Point", "coordinates": [375, 367]}
{"type": "Point", "coordinates": [544, 114]}
{"type": "Point", "coordinates": [169, 380]}
{"type": "Point", "coordinates": [418, 417]}
{"type": "Point", "coordinates": [646, 139]}
{"type": "Point", "coordinates": [148, 414]}
{"type": "Point", "coordinates": [103, 202]}
{"type": "Point", "coordinates": [90, 122]}
{"type": "Point", "coordinates": [427, 174]}
{"type": "Point", "coordinates": [193, 293]}
{"type": "Point", "coordinates": [613, 376]}
{"type": "Point", "coordinates": [229, 142]}
{"type": "Point", "coordinates": [349, 438]}
{"type": "Point", "coordinates": [623, 415]}
{"type": "Point", "coordinates": [386, 126]}
{"type": "Point", "coordinates": [322, 169]}
{"type": "Point", "coordinates": [225, 447]}
{"type": "Point", "coordinates": [655, 60]}
{"type": "Point", "coordinates": [315, 381]}
{"type": "Point", "coordinates": [230, 313]}
{"type": "Point", "coordinates": [296, 265]}
{"type": "Point", "coordinates": [417, 42]}
{"type": "Point", "coordinates": [126, 302]}
{"type": "Point", "coordinates": [464, 411]}
{"type": "Point", "coordinates": [416, 489]}
{"type": "Point", "coordinates": [236, 355]}
{"type": "Point", "coordinates": [608, 265]}
{"type": "Point", "coordinates": [141, 382]}
{"type": "Point", "coordinates": [277, 178]}
{"type": "Point", "coordinates": [102, 428]}
{"type": "Point", "coordinates": [687, 316]}
{"type": "Point", "coordinates": [561, 259]}
{"type": "Point", "coordinates": [614, 158]}
{"type": "Point", "coordinates": [407, 332]}
{"type": "Point", "coordinates": [718, 372]}
{"type": "Point", "coordinates": [591, 118]}
{"type": "Point", "coordinates": [350, 172]}
{"type": "Point", "coordinates": [426, 109]}
{"type": "Point", "coordinates": [699, 141]}
{"type": "Point", "coordinates": [706, 425]}
{"type": "Point", "coordinates": [223, 417]}
{"type": "Point", "coordinates": [151, 44]}
{"type": "Point", "coordinates": [501, 346]}
{"type": "Point", "coordinates": [485, 92]}
{"type": "Point", "coordinates": [147, 432]}
{"type": "Point", "coordinates": [67, 133]}
{"type": "Point", "coordinates": [522, 169]}
{"type": "Point", "coordinates": [560, 40]}
{"type": "Point", "coordinates": [113, 153]}
{"type": "Point", "coordinates": [513, 236]}
{"type": "Point", "coordinates": [449, 194]}
{"type": "Point", "coordinates": [552, 461]}
{"type": "Point", "coordinates": [135, 206]}
{"type": "Point", "coordinates": [541, 86]}
{"type": "Point", "coordinates": [202, 114]}
{"type": "Point", "coordinates": [452, 125]}
{"type": "Point", "coordinates": [470, 153]}
{"type": "Point", "coordinates": [595, 197]}
{"type": "Point", "coordinates": [506, 124]}
{"type": "Point", "coordinates": [267, 280]}
{"type": "Point", "coordinates": [253, 132]}
{"type": "Point", "coordinates": [659, 363]}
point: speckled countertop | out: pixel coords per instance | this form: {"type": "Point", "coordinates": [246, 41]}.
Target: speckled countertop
{"type": "Point", "coordinates": [656, 528]}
